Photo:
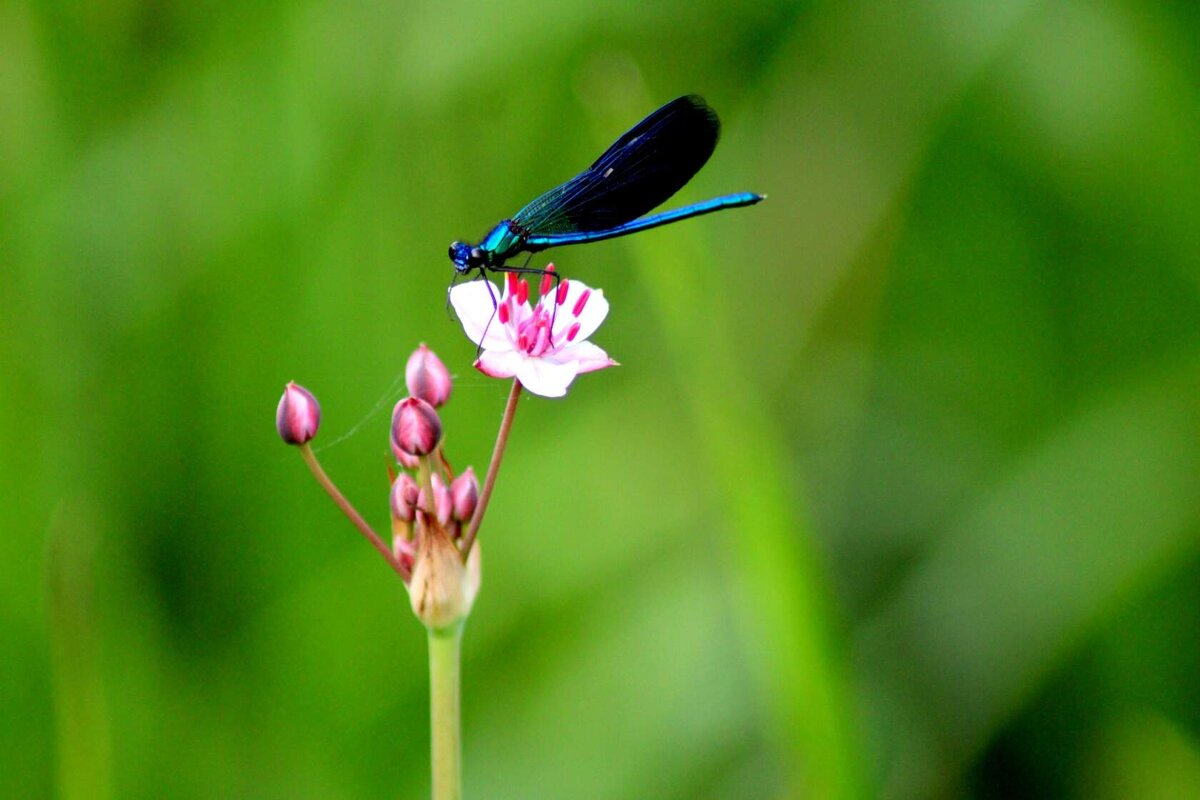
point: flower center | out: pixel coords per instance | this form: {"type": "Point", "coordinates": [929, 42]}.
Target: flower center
{"type": "Point", "coordinates": [535, 334]}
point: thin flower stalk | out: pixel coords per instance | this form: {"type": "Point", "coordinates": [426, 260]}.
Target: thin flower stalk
{"type": "Point", "coordinates": [489, 481]}
{"type": "Point", "coordinates": [314, 466]}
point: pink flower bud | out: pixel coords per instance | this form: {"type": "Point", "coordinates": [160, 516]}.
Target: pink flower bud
{"type": "Point", "coordinates": [298, 415]}
{"type": "Point", "coordinates": [416, 428]}
{"type": "Point", "coordinates": [427, 377]}
{"type": "Point", "coordinates": [404, 497]}
{"type": "Point", "coordinates": [464, 492]}
{"type": "Point", "coordinates": [403, 551]}
{"type": "Point", "coordinates": [441, 499]}
{"type": "Point", "coordinates": [404, 459]}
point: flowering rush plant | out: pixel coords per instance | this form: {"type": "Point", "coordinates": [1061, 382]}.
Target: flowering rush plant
{"type": "Point", "coordinates": [435, 512]}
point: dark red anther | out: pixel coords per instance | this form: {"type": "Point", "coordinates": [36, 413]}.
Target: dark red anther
{"type": "Point", "coordinates": [581, 302]}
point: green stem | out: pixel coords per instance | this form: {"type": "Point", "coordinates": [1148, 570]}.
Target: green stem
{"type": "Point", "coordinates": [445, 657]}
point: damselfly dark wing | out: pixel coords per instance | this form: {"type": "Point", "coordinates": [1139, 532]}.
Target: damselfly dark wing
{"type": "Point", "coordinates": [643, 168]}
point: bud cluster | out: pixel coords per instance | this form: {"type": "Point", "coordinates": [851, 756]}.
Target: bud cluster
{"type": "Point", "coordinates": [416, 439]}
{"type": "Point", "coordinates": [431, 507]}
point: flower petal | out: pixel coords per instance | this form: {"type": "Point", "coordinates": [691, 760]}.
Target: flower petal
{"type": "Point", "coordinates": [474, 305]}
{"type": "Point", "coordinates": [499, 363]}
{"type": "Point", "coordinates": [586, 356]}
{"type": "Point", "coordinates": [545, 377]}
{"type": "Point", "coordinates": [593, 313]}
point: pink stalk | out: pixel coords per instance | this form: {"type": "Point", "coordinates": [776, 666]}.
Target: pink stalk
{"type": "Point", "coordinates": [351, 513]}
{"type": "Point", "coordinates": [489, 482]}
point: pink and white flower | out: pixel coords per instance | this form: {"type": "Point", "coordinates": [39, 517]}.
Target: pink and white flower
{"type": "Point", "coordinates": [543, 345]}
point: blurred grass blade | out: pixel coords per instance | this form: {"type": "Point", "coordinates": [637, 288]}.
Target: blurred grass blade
{"type": "Point", "coordinates": [1083, 519]}
{"type": "Point", "coordinates": [1140, 753]}
{"type": "Point", "coordinates": [83, 770]}
{"type": "Point", "coordinates": [772, 558]}
{"type": "Point", "coordinates": [772, 554]}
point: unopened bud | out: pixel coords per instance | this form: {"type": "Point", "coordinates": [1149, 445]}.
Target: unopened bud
{"type": "Point", "coordinates": [404, 459]}
{"type": "Point", "coordinates": [298, 415]}
{"type": "Point", "coordinates": [427, 377]}
{"type": "Point", "coordinates": [416, 428]}
{"type": "Point", "coordinates": [405, 494]}
{"type": "Point", "coordinates": [464, 493]}
{"type": "Point", "coordinates": [403, 551]}
{"type": "Point", "coordinates": [441, 498]}
{"type": "Point", "coordinates": [442, 589]}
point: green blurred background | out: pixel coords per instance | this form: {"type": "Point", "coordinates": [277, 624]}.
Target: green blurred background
{"type": "Point", "coordinates": [896, 494]}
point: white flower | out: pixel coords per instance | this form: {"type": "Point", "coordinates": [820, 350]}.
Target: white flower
{"type": "Point", "coordinates": [544, 346]}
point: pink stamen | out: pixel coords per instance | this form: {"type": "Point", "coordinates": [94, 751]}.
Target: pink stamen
{"type": "Point", "coordinates": [562, 292]}
{"type": "Point", "coordinates": [542, 341]}
{"type": "Point", "coordinates": [503, 313]}
{"type": "Point", "coordinates": [572, 332]}
{"type": "Point", "coordinates": [581, 302]}
{"type": "Point", "coordinates": [547, 279]}
{"type": "Point", "coordinates": [522, 291]}
{"type": "Point", "coordinates": [523, 342]}
{"type": "Point", "coordinates": [510, 282]}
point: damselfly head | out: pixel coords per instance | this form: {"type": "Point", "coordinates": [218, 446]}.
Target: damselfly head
{"type": "Point", "coordinates": [465, 257]}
